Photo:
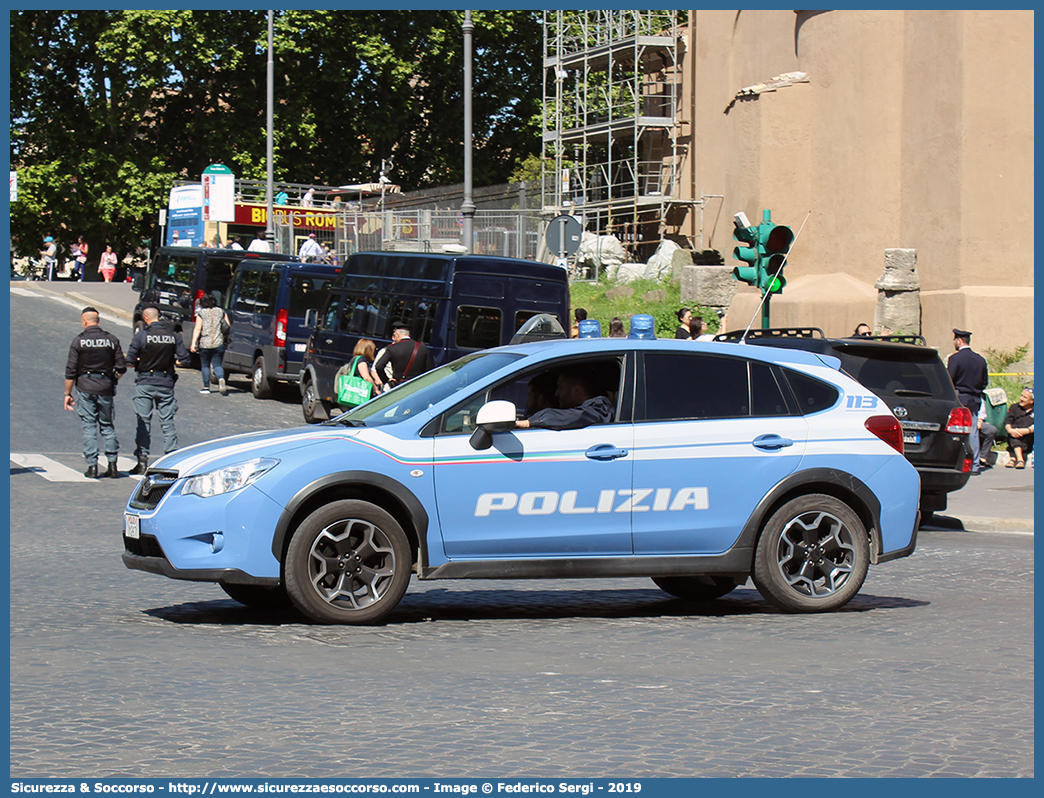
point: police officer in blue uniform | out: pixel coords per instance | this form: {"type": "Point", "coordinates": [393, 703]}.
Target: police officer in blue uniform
{"type": "Point", "coordinates": [970, 376]}
{"type": "Point", "coordinates": [152, 353]}
{"type": "Point", "coordinates": [94, 365]}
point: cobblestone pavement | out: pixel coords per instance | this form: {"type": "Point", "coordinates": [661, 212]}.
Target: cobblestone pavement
{"type": "Point", "coordinates": [928, 672]}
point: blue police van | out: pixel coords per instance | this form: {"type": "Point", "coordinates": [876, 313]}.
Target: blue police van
{"type": "Point", "coordinates": [454, 304]}
{"type": "Point", "coordinates": [710, 463]}
{"type": "Point", "coordinates": [178, 277]}
{"type": "Point", "coordinates": [266, 305]}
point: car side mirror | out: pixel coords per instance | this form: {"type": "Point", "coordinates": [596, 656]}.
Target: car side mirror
{"type": "Point", "coordinates": [495, 416]}
{"type": "Point", "coordinates": [311, 318]}
{"type": "Point", "coordinates": [138, 282]}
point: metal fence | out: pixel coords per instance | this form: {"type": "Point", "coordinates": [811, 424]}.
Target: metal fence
{"type": "Point", "coordinates": [511, 234]}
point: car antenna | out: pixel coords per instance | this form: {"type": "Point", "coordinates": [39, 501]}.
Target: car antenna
{"type": "Point", "coordinates": [782, 263]}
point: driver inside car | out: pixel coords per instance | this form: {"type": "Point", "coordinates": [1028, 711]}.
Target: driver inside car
{"type": "Point", "coordinates": [580, 404]}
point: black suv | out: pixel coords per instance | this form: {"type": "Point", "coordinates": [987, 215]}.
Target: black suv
{"type": "Point", "coordinates": [911, 379]}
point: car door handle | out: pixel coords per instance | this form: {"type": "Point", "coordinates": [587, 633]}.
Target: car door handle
{"type": "Point", "coordinates": [771, 442]}
{"type": "Point", "coordinates": [605, 451]}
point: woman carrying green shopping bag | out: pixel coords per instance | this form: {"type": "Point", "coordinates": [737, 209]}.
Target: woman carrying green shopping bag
{"type": "Point", "coordinates": [354, 383]}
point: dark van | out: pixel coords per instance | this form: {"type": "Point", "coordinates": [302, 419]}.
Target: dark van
{"type": "Point", "coordinates": [267, 305]}
{"type": "Point", "coordinates": [455, 304]}
{"type": "Point", "coordinates": [179, 276]}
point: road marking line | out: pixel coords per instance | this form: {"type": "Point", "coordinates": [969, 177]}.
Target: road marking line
{"type": "Point", "coordinates": [24, 292]}
{"type": "Point", "coordinates": [53, 471]}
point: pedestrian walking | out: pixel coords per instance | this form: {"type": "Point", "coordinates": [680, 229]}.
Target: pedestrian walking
{"type": "Point", "coordinates": [209, 340]}
{"type": "Point", "coordinates": [311, 251]}
{"type": "Point", "coordinates": [153, 353]}
{"type": "Point", "coordinates": [94, 366]}
{"type": "Point", "coordinates": [408, 358]}
{"type": "Point", "coordinates": [49, 256]}
{"type": "Point", "coordinates": [107, 264]}
{"type": "Point", "coordinates": [970, 375]}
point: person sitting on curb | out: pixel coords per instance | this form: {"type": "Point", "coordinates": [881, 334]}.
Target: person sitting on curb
{"type": "Point", "coordinates": [1019, 426]}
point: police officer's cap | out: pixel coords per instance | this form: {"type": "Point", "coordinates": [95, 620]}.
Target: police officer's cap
{"type": "Point", "coordinates": [961, 333]}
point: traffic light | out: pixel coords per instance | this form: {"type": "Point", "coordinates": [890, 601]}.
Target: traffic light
{"type": "Point", "coordinates": [766, 254]}
{"type": "Point", "coordinates": [748, 234]}
{"type": "Point", "coordinates": [774, 242]}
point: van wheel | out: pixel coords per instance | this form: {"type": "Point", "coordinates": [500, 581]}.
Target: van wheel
{"type": "Point", "coordinates": [260, 384]}
{"type": "Point", "coordinates": [812, 556]}
{"type": "Point", "coordinates": [348, 562]}
{"type": "Point", "coordinates": [311, 405]}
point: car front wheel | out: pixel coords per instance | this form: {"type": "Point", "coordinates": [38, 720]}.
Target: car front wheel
{"type": "Point", "coordinates": [348, 562]}
{"type": "Point", "coordinates": [812, 556]}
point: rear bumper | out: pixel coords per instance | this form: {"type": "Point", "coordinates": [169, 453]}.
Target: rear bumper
{"type": "Point", "coordinates": [941, 480]}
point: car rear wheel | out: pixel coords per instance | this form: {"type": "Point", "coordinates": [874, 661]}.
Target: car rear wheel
{"type": "Point", "coordinates": [695, 588]}
{"type": "Point", "coordinates": [260, 384]}
{"type": "Point", "coordinates": [812, 556]}
{"type": "Point", "coordinates": [311, 405]}
{"type": "Point", "coordinates": [258, 596]}
{"type": "Point", "coordinates": [348, 562]}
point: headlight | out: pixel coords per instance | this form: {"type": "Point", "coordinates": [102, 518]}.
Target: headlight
{"type": "Point", "coordinates": [226, 480]}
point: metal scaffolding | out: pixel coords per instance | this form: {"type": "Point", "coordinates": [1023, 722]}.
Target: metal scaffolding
{"type": "Point", "coordinates": [611, 93]}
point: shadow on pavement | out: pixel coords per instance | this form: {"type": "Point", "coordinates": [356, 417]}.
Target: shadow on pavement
{"type": "Point", "coordinates": [475, 605]}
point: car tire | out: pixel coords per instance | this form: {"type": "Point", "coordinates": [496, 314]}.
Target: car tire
{"type": "Point", "coordinates": [812, 556]}
{"type": "Point", "coordinates": [139, 325]}
{"type": "Point", "coordinates": [348, 562]}
{"type": "Point", "coordinates": [259, 596]}
{"type": "Point", "coordinates": [695, 588]}
{"type": "Point", "coordinates": [312, 406]}
{"type": "Point", "coordinates": [260, 384]}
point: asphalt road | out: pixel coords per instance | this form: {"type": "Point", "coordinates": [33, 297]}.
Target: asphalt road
{"type": "Point", "coordinates": [928, 672]}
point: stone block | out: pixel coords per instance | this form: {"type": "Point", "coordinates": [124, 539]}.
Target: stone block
{"type": "Point", "coordinates": [900, 271]}
{"type": "Point", "coordinates": [711, 286]}
{"type": "Point", "coordinates": [680, 258]}
{"type": "Point", "coordinates": [659, 295]}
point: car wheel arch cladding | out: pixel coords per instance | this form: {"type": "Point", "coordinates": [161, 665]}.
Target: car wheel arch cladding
{"type": "Point", "coordinates": [839, 484]}
{"type": "Point", "coordinates": [392, 496]}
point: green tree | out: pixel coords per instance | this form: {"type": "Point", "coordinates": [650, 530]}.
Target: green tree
{"type": "Point", "coordinates": [109, 107]}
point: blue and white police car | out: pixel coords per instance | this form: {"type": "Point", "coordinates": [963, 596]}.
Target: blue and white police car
{"type": "Point", "coordinates": [717, 462]}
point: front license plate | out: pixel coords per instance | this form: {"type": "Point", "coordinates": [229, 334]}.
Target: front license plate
{"type": "Point", "coordinates": [911, 437]}
{"type": "Point", "coordinates": [131, 526]}
{"type": "Point", "coordinates": [300, 347]}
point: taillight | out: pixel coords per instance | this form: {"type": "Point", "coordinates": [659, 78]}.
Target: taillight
{"type": "Point", "coordinates": [959, 422]}
{"type": "Point", "coordinates": [887, 429]}
{"type": "Point", "coordinates": [282, 318]}
{"type": "Point", "coordinates": [195, 302]}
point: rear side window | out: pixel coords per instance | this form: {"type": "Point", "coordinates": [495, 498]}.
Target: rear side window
{"type": "Point", "coordinates": [257, 292]}
{"type": "Point", "coordinates": [307, 293]}
{"type": "Point", "coordinates": [478, 328]}
{"type": "Point", "coordinates": [811, 394]}
{"type": "Point", "coordinates": [679, 386]}
{"type": "Point", "coordinates": [898, 372]}
{"type": "Point", "coordinates": [218, 278]}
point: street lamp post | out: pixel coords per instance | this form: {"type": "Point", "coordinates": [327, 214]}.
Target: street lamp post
{"type": "Point", "coordinates": [269, 232]}
{"type": "Point", "coordinates": [467, 207]}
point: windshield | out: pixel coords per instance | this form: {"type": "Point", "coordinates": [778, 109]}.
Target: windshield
{"type": "Point", "coordinates": [422, 392]}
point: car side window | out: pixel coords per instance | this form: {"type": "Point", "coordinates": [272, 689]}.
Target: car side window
{"type": "Point", "coordinates": [682, 386]}
{"type": "Point", "coordinates": [811, 394]}
{"type": "Point", "coordinates": [767, 396]}
{"type": "Point", "coordinates": [329, 320]}
{"type": "Point", "coordinates": [268, 287]}
{"type": "Point", "coordinates": [246, 301]}
{"type": "Point", "coordinates": [534, 391]}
